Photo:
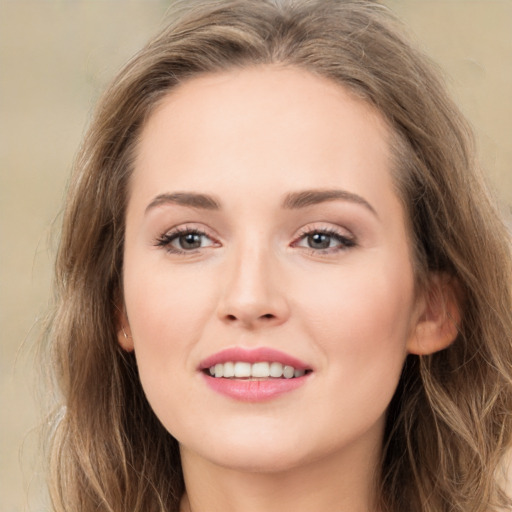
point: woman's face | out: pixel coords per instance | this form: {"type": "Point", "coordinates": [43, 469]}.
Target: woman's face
{"type": "Point", "coordinates": [263, 227]}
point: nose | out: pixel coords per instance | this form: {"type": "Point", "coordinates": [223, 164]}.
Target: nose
{"type": "Point", "coordinates": [253, 291]}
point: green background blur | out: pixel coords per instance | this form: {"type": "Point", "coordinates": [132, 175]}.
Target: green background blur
{"type": "Point", "coordinates": [55, 59]}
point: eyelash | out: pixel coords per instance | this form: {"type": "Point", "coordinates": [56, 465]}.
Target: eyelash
{"type": "Point", "coordinates": [345, 242]}
{"type": "Point", "coordinates": [167, 238]}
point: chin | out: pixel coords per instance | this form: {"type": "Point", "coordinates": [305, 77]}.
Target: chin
{"type": "Point", "coordinates": [257, 460]}
{"type": "Point", "coordinates": [254, 451]}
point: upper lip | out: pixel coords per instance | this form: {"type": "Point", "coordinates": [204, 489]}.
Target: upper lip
{"type": "Point", "coordinates": [255, 355]}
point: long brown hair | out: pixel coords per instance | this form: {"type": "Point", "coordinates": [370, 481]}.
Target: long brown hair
{"type": "Point", "coordinates": [449, 422]}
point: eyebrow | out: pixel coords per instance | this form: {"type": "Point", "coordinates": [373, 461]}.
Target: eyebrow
{"type": "Point", "coordinates": [190, 199]}
{"type": "Point", "coordinates": [305, 198]}
{"type": "Point", "coordinates": [292, 201]}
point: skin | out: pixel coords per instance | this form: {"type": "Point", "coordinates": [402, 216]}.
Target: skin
{"type": "Point", "coordinates": [247, 139]}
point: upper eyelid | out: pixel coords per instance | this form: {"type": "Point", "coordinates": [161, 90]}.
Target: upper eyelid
{"type": "Point", "coordinates": [325, 228]}
{"type": "Point", "coordinates": [171, 234]}
{"type": "Point", "coordinates": [188, 228]}
{"type": "Point", "coordinates": [345, 236]}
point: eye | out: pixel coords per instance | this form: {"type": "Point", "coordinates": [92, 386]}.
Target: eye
{"type": "Point", "coordinates": [183, 240]}
{"type": "Point", "coordinates": [324, 240]}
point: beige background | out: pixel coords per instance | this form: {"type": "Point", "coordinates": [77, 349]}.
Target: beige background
{"type": "Point", "coordinates": [55, 57]}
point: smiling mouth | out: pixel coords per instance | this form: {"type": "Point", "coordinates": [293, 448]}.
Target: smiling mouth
{"type": "Point", "coordinates": [254, 371]}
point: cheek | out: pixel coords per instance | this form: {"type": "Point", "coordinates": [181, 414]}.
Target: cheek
{"type": "Point", "coordinates": [167, 312]}
{"type": "Point", "coordinates": [362, 320]}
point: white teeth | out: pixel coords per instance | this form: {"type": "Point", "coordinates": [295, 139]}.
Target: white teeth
{"type": "Point", "coordinates": [229, 369]}
{"type": "Point", "coordinates": [261, 370]}
{"type": "Point", "coordinates": [242, 369]}
{"type": "Point", "coordinates": [276, 370]}
{"type": "Point", "coordinates": [288, 372]}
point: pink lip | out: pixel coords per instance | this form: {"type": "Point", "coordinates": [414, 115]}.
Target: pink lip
{"type": "Point", "coordinates": [254, 390]}
{"type": "Point", "coordinates": [258, 390]}
{"type": "Point", "coordinates": [256, 355]}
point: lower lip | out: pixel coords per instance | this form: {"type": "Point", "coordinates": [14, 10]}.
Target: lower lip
{"type": "Point", "coordinates": [254, 390]}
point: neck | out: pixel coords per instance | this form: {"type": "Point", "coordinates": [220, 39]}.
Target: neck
{"type": "Point", "coordinates": [336, 483]}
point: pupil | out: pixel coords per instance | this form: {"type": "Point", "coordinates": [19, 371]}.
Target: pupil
{"type": "Point", "coordinates": [319, 241]}
{"type": "Point", "coordinates": [190, 241]}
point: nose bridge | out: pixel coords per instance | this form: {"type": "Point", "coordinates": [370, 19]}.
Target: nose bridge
{"type": "Point", "coordinates": [252, 291]}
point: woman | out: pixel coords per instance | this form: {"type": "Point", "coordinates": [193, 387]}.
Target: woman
{"type": "Point", "coordinates": [281, 281]}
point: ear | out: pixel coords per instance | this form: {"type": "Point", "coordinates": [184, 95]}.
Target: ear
{"type": "Point", "coordinates": [124, 333]}
{"type": "Point", "coordinates": [438, 316]}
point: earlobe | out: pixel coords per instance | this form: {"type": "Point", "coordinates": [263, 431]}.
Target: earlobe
{"type": "Point", "coordinates": [439, 317]}
{"type": "Point", "coordinates": [124, 335]}
{"type": "Point", "coordinates": [125, 339]}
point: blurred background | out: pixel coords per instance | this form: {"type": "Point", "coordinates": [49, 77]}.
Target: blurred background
{"type": "Point", "coordinates": [55, 59]}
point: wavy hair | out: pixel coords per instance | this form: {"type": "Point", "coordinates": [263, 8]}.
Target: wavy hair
{"type": "Point", "coordinates": [449, 423]}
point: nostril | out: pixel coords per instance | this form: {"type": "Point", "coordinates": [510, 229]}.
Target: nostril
{"type": "Point", "coordinates": [251, 317]}
{"type": "Point", "coordinates": [268, 316]}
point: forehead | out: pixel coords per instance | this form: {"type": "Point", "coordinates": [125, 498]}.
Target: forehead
{"type": "Point", "coordinates": [277, 124]}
